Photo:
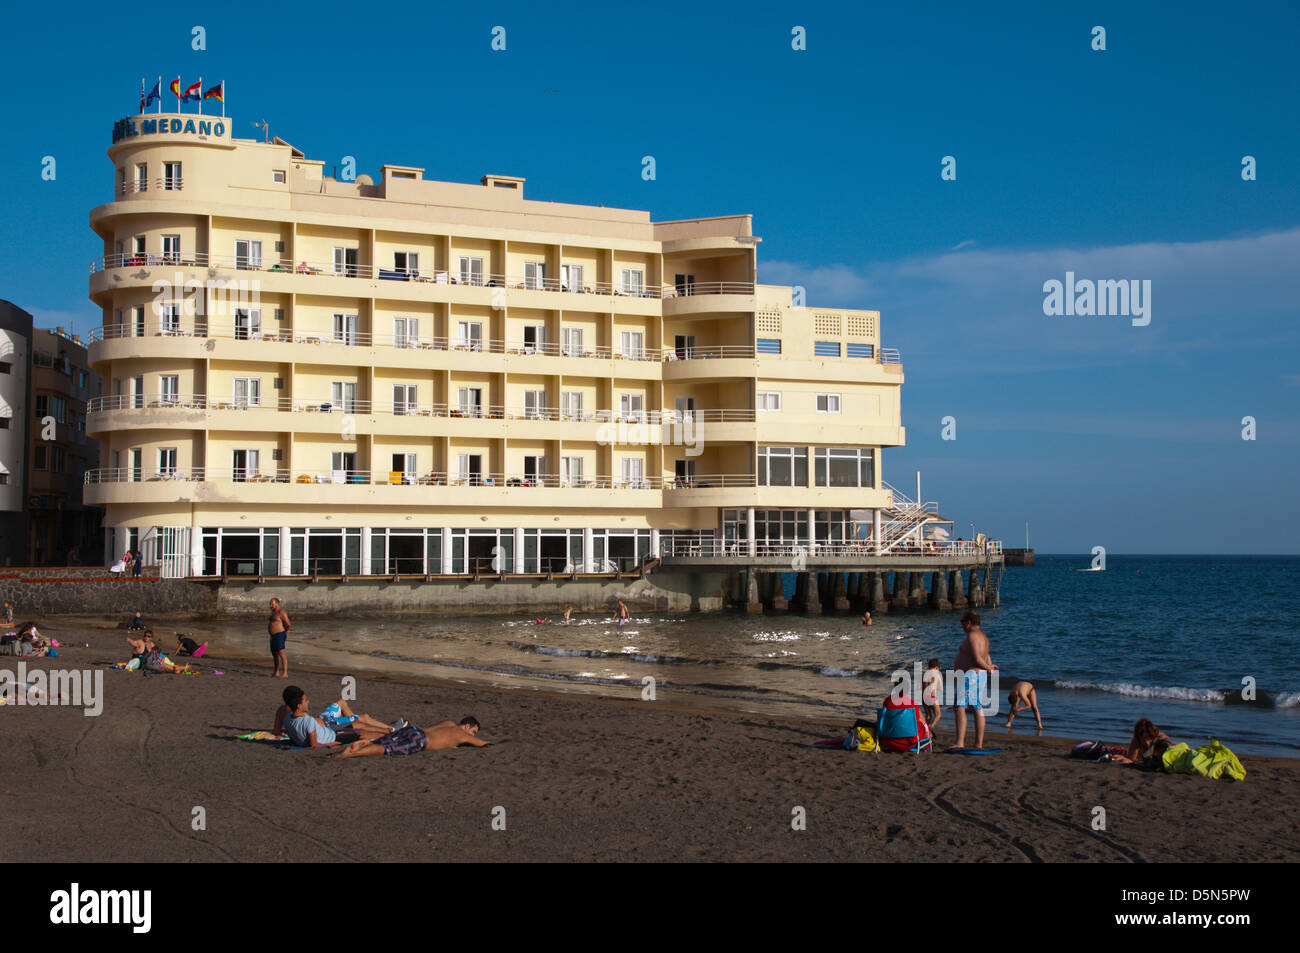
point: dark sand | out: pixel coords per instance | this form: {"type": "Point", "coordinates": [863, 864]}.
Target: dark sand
{"type": "Point", "coordinates": [579, 779]}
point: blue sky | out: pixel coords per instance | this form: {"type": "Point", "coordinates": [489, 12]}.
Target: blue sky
{"type": "Point", "coordinates": [1117, 164]}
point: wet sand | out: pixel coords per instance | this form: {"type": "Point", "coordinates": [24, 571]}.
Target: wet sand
{"type": "Point", "coordinates": [578, 779]}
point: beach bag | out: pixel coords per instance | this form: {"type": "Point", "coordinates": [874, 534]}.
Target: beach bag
{"type": "Point", "coordinates": [1095, 751]}
{"type": "Point", "coordinates": [860, 738]}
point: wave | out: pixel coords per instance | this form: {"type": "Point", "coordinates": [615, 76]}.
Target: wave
{"type": "Point", "coordinates": [1212, 696]}
{"type": "Point", "coordinates": [645, 658]}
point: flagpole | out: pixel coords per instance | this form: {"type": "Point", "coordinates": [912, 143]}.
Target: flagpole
{"type": "Point", "coordinates": [160, 95]}
{"type": "Point", "coordinates": [201, 104]}
{"type": "Point", "coordinates": [223, 99]}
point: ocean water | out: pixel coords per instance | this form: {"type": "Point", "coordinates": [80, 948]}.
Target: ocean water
{"type": "Point", "coordinates": [1170, 638]}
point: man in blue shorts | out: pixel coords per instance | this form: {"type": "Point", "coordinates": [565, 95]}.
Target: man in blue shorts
{"type": "Point", "coordinates": [973, 666]}
{"type": "Point", "coordinates": [336, 723]}
{"type": "Point", "coordinates": [411, 740]}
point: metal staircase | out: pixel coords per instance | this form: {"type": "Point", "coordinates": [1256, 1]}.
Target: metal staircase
{"type": "Point", "coordinates": [902, 520]}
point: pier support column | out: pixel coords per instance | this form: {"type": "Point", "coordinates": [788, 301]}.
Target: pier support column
{"type": "Point", "coordinates": [839, 596]}
{"type": "Point", "coordinates": [939, 591]}
{"type": "Point", "coordinates": [366, 536]}
{"type": "Point", "coordinates": [899, 598]}
{"type": "Point", "coordinates": [775, 593]}
{"type": "Point", "coordinates": [749, 533]}
{"type": "Point", "coordinates": [753, 601]}
{"type": "Point", "coordinates": [806, 593]}
{"type": "Point", "coordinates": [588, 557]}
{"type": "Point", "coordinates": [860, 591]}
{"type": "Point", "coordinates": [875, 528]}
{"type": "Point", "coordinates": [879, 604]}
{"type": "Point", "coordinates": [654, 544]}
{"type": "Point", "coordinates": [974, 595]}
{"type": "Point", "coordinates": [917, 596]}
{"type": "Point", "coordinates": [955, 591]}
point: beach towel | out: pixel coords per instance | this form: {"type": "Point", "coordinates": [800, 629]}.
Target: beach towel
{"type": "Point", "coordinates": [1209, 761]}
{"type": "Point", "coordinates": [281, 744]}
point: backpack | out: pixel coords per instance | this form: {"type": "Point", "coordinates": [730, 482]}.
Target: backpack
{"type": "Point", "coordinates": [1095, 751]}
{"type": "Point", "coordinates": [860, 738]}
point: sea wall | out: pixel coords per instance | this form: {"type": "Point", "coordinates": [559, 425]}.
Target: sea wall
{"type": "Point", "coordinates": [36, 593]}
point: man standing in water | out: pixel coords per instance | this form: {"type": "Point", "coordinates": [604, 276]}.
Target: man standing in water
{"type": "Point", "coordinates": [621, 613]}
{"type": "Point", "coordinates": [278, 627]}
{"type": "Point", "coordinates": [973, 666]}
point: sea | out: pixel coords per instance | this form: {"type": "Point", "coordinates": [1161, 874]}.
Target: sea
{"type": "Point", "coordinates": [1204, 646]}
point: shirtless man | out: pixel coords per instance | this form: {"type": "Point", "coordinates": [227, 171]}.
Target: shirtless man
{"type": "Point", "coordinates": [621, 613]}
{"type": "Point", "coordinates": [278, 627]}
{"type": "Point", "coordinates": [1023, 696]}
{"type": "Point", "coordinates": [975, 665]}
{"type": "Point", "coordinates": [411, 740]}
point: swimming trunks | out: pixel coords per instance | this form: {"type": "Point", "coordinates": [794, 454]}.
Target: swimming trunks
{"type": "Point", "coordinates": [408, 740]}
{"type": "Point", "coordinates": [971, 690]}
{"type": "Point", "coordinates": [277, 641]}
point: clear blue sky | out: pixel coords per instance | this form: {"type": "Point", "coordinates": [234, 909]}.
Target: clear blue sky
{"type": "Point", "coordinates": [1117, 164]}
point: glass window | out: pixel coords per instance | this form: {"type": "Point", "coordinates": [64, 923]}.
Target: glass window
{"type": "Point", "coordinates": [826, 348]}
{"type": "Point", "coordinates": [782, 466]}
{"type": "Point", "coordinates": [769, 345]}
{"type": "Point", "coordinates": [860, 350]}
{"type": "Point", "coordinates": [828, 403]}
{"type": "Point", "coordinates": [844, 467]}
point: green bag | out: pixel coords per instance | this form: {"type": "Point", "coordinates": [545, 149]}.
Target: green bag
{"type": "Point", "coordinates": [1210, 761]}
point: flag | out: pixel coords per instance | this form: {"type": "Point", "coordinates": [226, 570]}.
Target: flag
{"type": "Point", "coordinates": [217, 92]}
{"type": "Point", "coordinates": [176, 87]}
{"type": "Point", "coordinates": [193, 93]}
{"type": "Point", "coordinates": [141, 94]}
{"type": "Point", "coordinates": [155, 93]}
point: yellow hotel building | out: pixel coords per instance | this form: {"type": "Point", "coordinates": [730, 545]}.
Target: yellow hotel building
{"type": "Point", "coordinates": [306, 376]}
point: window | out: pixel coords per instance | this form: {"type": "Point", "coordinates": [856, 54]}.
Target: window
{"type": "Point", "coordinates": [121, 181]}
{"type": "Point", "coordinates": [343, 396]}
{"type": "Point", "coordinates": [535, 404]}
{"type": "Point", "coordinates": [42, 405]}
{"type": "Point", "coordinates": [535, 275]}
{"type": "Point", "coordinates": [171, 319]}
{"type": "Point", "coordinates": [58, 458]}
{"type": "Point", "coordinates": [171, 176]}
{"type": "Point", "coordinates": [404, 401]}
{"type": "Point", "coordinates": [345, 328]}
{"type": "Point", "coordinates": [248, 392]}
{"type": "Point", "coordinates": [7, 368]}
{"type": "Point", "coordinates": [4, 423]}
{"type": "Point", "coordinates": [137, 391]}
{"type": "Point", "coordinates": [343, 467]}
{"type": "Point", "coordinates": [248, 254]}
{"type": "Point", "coordinates": [142, 177]}
{"type": "Point", "coordinates": [769, 345]}
{"type": "Point", "coordinates": [243, 465]}
{"type": "Point", "coordinates": [534, 469]}
{"type": "Point", "coordinates": [171, 249]}
{"type": "Point", "coordinates": [845, 467]}
{"type": "Point", "coordinates": [4, 478]}
{"type": "Point", "coordinates": [782, 466]}
{"type": "Point", "coordinates": [169, 389]}
{"type": "Point", "coordinates": [40, 457]}
{"type": "Point", "coordinates": [633, 281]}
{"type": "Point", "coordinates": [684, 285]}
{"type": "Point", "coordinates": [633, 471]}
{"type": "Point", "coordinates": [469, 468]}
{"type": "Point", "coordinates": [571, 471]}
{"type": "Point", "coordinates": [571, 278]}
{"type": "Point", "coordinates": [167, 462]}
{"type": "Point", "coordinates": [248, 324]}
{"type": "Point", "coordinates": [137, 322]}
{"type": "Point", "coordinates": [631, 345]}
{"type": "Point", "coordinates": [571, 405]}
{"type": "Point", "coordinates": [826, 348]}
{"type": "Point", "coordinates": [345, 261]}
{"type": "Point", "coordinates": [470, 401]}
{"type": "Point", "coordinates": [828, 403]}
{"type": "Point", "coordinates": [859, 350]}
{"type": "Point", "coordinates": [534, 338]}
{"type": "Point", "coordinates": [471, 271]}
{"type": "Point", "coordinates": [469, 335]}
{"type": "Point", "coordinates": [407, 262]}
{"type": "Point", "coordinates": [683, 346]}
{"type": "Point", "coordinates": [768, 400]}
{"type": "Point", "coordinates": [406, 332]}
{"type": "Point", "coordinates": [277, 176]}
{"type": "Point", "coordinates": [403, 464]}
{"type": "Point", "coordinates": [571, 342]}
{"type": "Point", "coordinates": [630, 407]}
{"type": "Point", "coordinates": [684, 408]}
{"type": "Point", "coordinates": [81, 379]}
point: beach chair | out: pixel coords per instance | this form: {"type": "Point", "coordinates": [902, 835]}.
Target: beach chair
{"type": "Point", "coordinates": [901, 727]}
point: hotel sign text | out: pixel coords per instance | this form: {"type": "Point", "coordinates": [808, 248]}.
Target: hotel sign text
{"type": "Point", "coordinates": [126, 128]}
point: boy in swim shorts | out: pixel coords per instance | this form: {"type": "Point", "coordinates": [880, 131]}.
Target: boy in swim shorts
{"type": "Point", "coordinates": [411, 740]}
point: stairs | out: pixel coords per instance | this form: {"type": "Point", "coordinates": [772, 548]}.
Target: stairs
{"type": "Point", "coordinates": [901, 521]}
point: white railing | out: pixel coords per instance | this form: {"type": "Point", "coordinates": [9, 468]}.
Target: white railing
{"type": "Point", "coordinates": [105, 475]}
{"type": "Point", "coordinates": [890, 355]}
{"type": "Point", "coordinates": [710, 481]}
{"type": "Point", "coordinates": [730, 549]}
{"type": "Point", "coordinates": [162, 183]}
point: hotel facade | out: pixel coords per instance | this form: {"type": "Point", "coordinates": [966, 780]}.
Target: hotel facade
{"type": "Point", "coordinates": [305, 376]}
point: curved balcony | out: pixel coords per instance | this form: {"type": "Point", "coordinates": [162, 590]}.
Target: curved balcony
{"type": "Point", "coordinates": [742, 490]}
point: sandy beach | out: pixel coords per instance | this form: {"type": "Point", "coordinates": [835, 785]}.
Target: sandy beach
{"type": "Point", "coordinates": [578, 779]}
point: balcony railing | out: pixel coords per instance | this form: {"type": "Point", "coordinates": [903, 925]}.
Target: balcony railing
{"type": "Point", "coordinates": [513, 282]}
{"type": "Point", "coordinates": [162, 183]}
{"type": "Point", "coordinates": [319, 405]}
{"type": "Point", "coordinates": [722, 549]}
{"type": "Point", "coordinates": [106, 475]}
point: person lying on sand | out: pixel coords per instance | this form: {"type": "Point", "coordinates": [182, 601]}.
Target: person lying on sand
{"type": "Point", "coordinates": [293, 720]}
{"type": "Point", "coordinates": [411, 740]}
{"type": "Point", "coordinates": [1146, 747]}
{"type": "Point", "coordinates": [1023, 696]}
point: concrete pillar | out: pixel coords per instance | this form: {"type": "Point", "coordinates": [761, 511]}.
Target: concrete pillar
{"type": "Point", "coordinates": [939, 591]}
{"type": "Point", "coordinates": [956, 594]}
{"type": "Point", "coordinates": [446, 551]}
{"type": "Point", "coordinates": [753, 600]}
{"type": "Point", "coordinates": [974, 595]}
{"type": "Point", "coordinates": [519, 551]}
{"type": "Point", "coordinates": [749, 532]}
{"type": "Point", "coordinates": [839, 595]}
{"type": "Point", "coordinates": [917, 596]}
{"type": "Point", "coordinates": [775, 596]}
{"type": "Point", "coordinates": [898, 599]}
{"type": "Point", "coordinates": [366, 537]}
{"type": "Point", "coordinates": [806, 593]}
{"type": "Point", "coordinates": [588, 558]}
{"type": "Point", "coordinates": [878, 603]}
{"type": "Point", "coordinates": [196, 551]}
{"type": "Point", "coordinates": [875, 528]}
{"type": "Point", "coordinates": [654, 543]}
{"type": "Point", "coordinates": [812, 531]}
